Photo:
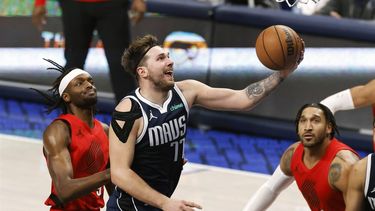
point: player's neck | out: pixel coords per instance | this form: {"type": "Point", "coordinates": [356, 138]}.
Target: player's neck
{"type": "Point", "coordinates": [86, 115]}
{"type": "Point", "coordinates": [156, 96]}
{"type": "Point", "coordinates": [312, 155]}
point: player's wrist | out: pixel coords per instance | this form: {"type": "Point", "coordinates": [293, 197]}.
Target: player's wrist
{"type": "Point", "coordinates": [163, 202]}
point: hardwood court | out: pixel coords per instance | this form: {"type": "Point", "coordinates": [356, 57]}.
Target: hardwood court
{"type": "Point", "coordinates": [25, 182]}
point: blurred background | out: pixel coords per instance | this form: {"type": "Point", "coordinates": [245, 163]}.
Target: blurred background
{"type": "Point", "coordinates": [213, 42]}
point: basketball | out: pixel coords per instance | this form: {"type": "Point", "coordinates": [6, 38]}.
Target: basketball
{"type": "Point", "coordinates": [278, 47]}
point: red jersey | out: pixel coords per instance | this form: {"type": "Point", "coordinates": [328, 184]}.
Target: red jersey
{"type": "Point", "coordinates": [313, 183]}
{"type": "Point", "coordinates": [89, 152]}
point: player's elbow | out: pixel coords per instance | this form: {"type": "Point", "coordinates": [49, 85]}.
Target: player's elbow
{"type": "Point", "coordinates": [117, 175]}
{"type": "Point", "coordinates": [64, 194]}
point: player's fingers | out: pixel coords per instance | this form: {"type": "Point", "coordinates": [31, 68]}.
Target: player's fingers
{"type": "Point", "coordinates": [192, 204]}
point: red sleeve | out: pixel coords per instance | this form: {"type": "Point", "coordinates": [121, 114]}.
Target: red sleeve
{"type": "Point", "coordinates": [39, 2]}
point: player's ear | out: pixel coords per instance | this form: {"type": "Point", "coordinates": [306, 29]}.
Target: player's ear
{"type": "Point", "coordinates": [66, 97]}
{"type": "Point", "coordinates": [142, 71]}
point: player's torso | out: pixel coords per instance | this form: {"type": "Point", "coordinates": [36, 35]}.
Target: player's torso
{"type": "Point", "coordinates": [158, 156]}
{"type": "Point", "coordinates": [89, 149]}
{"type": "Point", "coordinates": [313, 182]}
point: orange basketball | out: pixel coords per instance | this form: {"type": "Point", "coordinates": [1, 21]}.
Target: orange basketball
{"type": "Point", "coordinates": [278, 47]}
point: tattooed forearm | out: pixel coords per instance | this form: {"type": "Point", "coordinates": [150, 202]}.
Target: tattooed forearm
{"type": "Point", "coordinates": [264, 87]}
{"type": "Point", "coordinates": [334, 173]}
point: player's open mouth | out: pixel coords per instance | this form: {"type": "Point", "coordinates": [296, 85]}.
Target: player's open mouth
{"type": "Point", "coordinates": [169, 73]}
{"type": "Point", "coordinates": [308, 136]}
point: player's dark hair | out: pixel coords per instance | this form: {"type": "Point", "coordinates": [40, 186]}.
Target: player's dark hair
{"type": "Point", "coordinates": [134, 56]}
{"type": "Point", "coordinates": [327, 113]}
{"type": "Point", "coordinates": [52, 97]}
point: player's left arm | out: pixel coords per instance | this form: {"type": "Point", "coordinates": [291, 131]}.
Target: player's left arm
{"type": "Point", "coordinates": [201, 94]}
{"type": "Point", "coordinates": [355, 198]}
{"type": "Point", "coordinates": [339, 170]}
{"type": "Point", "coordinates": [363, 95]}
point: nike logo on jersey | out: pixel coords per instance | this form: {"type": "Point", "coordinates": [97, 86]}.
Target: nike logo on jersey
{"type": "Point", "coordinates": [151, 116]}
{"type": "Point", "coordinates": [373, 190]}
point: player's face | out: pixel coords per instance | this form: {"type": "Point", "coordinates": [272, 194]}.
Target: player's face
{"type": "Point", "coordinates": [313, 128]}
{"type": "Point", "coordinates": [82, 91]}
{"type": "Point", "coordinates": [160, 68]}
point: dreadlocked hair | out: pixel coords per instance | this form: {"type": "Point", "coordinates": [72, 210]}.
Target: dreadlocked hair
{"type": "Point", "coordinates": [327, 113]}
{"type": "Point", "coordinates": [52, 96]}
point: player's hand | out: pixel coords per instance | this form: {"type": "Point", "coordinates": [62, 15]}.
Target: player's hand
{"type": "Point", "coordinates": [137, 11]}
{"type": "Point", "coordinates": [180, 205]}
{"type": "Point", "coordinates": [39, 17]}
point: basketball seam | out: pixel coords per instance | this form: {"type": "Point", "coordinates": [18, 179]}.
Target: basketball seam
{"type": "Point", "coordinates": [265, 50]}
{"type": "Point", "coordinates": [281, 44]}
{"type": "Point", "coordinates": [297, 46]}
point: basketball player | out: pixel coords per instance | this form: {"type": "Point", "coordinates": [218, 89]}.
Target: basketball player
{"type": "Point", "coordinates": [355, 97]}
{"type": "Point", "coordinates": [75, 144]}
{"type": "Point", "coordinates": [319, 163]}
{"type": "Point", "coordinates": [148, 128]}
{"type": "Point", "coordinates": [361, 187]}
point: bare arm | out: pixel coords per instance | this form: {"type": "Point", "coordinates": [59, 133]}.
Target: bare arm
{"type": "Point", "coordinates": [56, 139]}
{"type": "Point", "coordinates": [355, 198]}
{"type": "Point", "coordinates": [363, 95]}
{"type": "Point", "coordinates": [229, 99]}
{"type": "Point", "coordinates": [286, 159]}
{"type": "Point", "coordinates": [121, 156]}
{"type": "Point", "coordinates": [339, 170]}
{"type": "Point", "coordinates": [355, 97]}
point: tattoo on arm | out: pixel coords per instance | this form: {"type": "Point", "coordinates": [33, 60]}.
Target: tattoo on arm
{"type": "Point", "coordinates": [334, 173]}
{"type": "Point", "coordinates": [263, 88]}
{"type": "Point", "coordinates": [286, 160]}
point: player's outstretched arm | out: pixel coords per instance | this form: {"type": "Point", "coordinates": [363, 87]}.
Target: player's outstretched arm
{"type": "Point", "coordinates": [56, 140]}
{"type": "Point", "coordinates": [279, 181]}
{"type": "Point", "coordinates": [201, 94]}
{"type": "Point", "coordinates": [121, 150]}
{"type": "Point", "coordinates": [355, 97]}
{"type": "Point", "coordinates": [198, 93]}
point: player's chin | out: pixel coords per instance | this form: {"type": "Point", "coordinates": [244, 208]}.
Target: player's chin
{"type": "Point", "coordinates": [168, 85]}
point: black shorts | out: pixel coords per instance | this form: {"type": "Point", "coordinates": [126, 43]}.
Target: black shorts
{"type": "Point", "coordinates": [121, 201]}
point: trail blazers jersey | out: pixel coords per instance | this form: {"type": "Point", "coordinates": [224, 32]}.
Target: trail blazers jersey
{"type": "Point", "coordinates": [370, 183]}
{"type": "Point", "coordinates": [158, 156]}
{"type": "Point", "coordinates": [313, 183]}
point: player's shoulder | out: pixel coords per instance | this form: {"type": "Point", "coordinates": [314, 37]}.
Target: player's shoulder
{"type": "Point", "coordinates": [57, 125]}
{"type": "Point", "coordinates": [125, 105]}
{"type": "Point", "coordinates": [347, 156]}
{"type": "Point", "coordinates": [185, 84]}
